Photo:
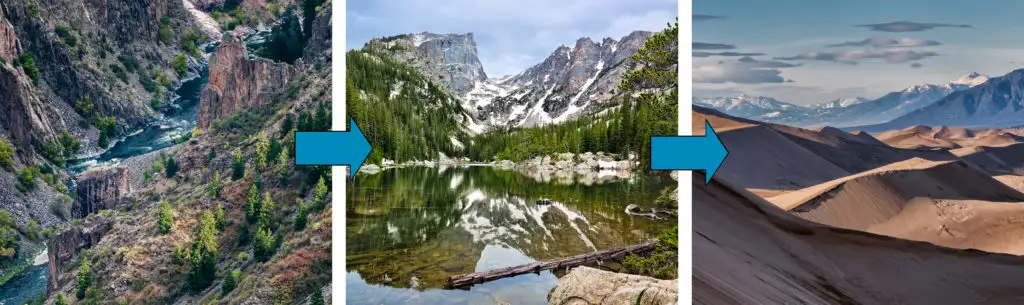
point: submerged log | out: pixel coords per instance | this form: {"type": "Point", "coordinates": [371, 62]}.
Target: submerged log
{"type": "Point", "coordinates": [469, 279]}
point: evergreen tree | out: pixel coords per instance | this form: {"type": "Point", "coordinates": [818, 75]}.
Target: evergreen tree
{"type": "Point", "coordinates": [218, 216]}
{"type": "Point", "coordinates": [171, 168]}
{"type": "Point", "coordinates": [237, 165]}
{"type": "Point", "coordinates": [262, 150]}
{"type": "Point", "coordinates": [165, 219]}
{"type": "Point", "coordinates": [215, 185]}
{"type": "Point", "coordinates": [268, 212]}
{"type": "Point", "coordinates": [252, 203]}
{"type": "Point", "coordinates": [204, 254]}
{"type": "Point", "coordinates": [263, 244]}
{"type": "Point", "coordinates": [301, 216]}
{"type": "Point", "coordinates": [84, 279]}
{"type": "Point", "coordinates": [230, 282]}
{"type": "Point", "coordinates": [317, 298]}
{"type": "Point", "coordinates": [320, 194]}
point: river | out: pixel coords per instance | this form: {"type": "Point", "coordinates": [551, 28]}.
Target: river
{"type": "Point", "coordinates": [410, 228]}
{"type": "Point", "coordinates": [177, 120]}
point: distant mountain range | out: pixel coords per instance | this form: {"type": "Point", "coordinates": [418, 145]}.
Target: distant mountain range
{"type": "Point", "coordinates": [855, 111]}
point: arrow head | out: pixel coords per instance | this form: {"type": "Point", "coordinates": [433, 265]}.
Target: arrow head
{"type": "Point", "coordinates": [715, 152]}
{"type": "Point", "coordinates": [360, 148]}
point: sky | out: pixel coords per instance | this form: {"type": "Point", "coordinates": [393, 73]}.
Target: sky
{"type": "Point", "coordinates": [806, 52]}
{"type": "Point", "coordinates": [511, 35]}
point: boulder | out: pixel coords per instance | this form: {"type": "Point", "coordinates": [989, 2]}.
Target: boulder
{"type": "Point", "coordinates": [585, 285]}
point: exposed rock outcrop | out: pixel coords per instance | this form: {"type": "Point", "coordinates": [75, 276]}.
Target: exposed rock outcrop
{"type": "Point", "coordinates": [100, 189]}
{"type": "Point", "coordinates": [10, 45]}
{"type": "Point", "coordinates": [238, 82]}
{"type": "Point", "coordinates": [63, 247]}
{"type": "Point", "coordinates": [318, 48]}
{"type": "Point", "coordinates": [585, 285]}
{"type": "Point", "coordinates": [448, 59]}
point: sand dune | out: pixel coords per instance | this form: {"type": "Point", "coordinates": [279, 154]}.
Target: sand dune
{"type": "Point", "coordinates": [923, 137]}
{"type": "Point", "coordinates": [748, 251]}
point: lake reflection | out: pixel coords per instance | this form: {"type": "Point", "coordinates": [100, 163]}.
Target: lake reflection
{"type": "Point", "coordinates": [410, 228]}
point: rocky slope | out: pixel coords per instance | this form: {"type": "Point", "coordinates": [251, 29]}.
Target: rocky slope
{"type": "Point", "coordinates": [237, 81]}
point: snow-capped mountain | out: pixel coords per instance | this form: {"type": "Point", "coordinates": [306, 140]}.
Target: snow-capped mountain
{"type": "Point", "coordinates": [843, 112]}
{"type": "Point", "coordinates": [569, 83]}
{"type": "Point", "coordinates": [841, 103]}
{"type": "Point", "coordinates": [997, 102]}
{"type": "Point", "coordinates": [759, 108]}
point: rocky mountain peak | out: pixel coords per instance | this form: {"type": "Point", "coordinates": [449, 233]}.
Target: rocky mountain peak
{"type": "Point", "coordinates": [448, 59]}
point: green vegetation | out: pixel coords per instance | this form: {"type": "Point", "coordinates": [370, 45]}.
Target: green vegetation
{"type": "Point", "coordinates": [414, 124]}
{"type": "Point", "coordinates": [180, 255]}
{"type": "Point", "coordinates": [8, 238]}
{"type": "Point", "coordinates": [230, 282]}
{"type": "Point", "coordinates": [286, 41]}
{"type": "Point", "coordinates": [268, 213]}
{"type": "Point", "coordinates": [27, 178]}
{"type": "Point", "coordinates": [252, 204]}
{"type": "Point", "coordinates": [215, 185]}
{"type": "Point", "coordinates": [170, 167]}
{"type": "Point", "coordinates": [301, 216]}
{"type": "Point", "coordinates": [6, 155]}
{"type": "Point", "coordinates": [180, 65]}
{"type": "Point", "coordinates": [61, 300]}
{"type": "Point", "coordinates": [317, 298]}
{"type": "Point", "coordinates": [662, 263]}
{"type": "Point", "coordinates": [625, 131]}
{"type": "Point", "coordinates": [262, 151]}
{"type": "Point", "coordinates": [165, 219]}
{"type": "Point", "coordinates": [309, 10]}
{"type": "Point", "coordinates": [190, 40]}
{"type": "Point", "coordinates": [204, 254]}
{"type": "Point", "coordinates": [320, 195]}
{"type": "Point", "coordinates": [165, 34]}
{"type": "Point", "coordinates": [28, 64]}
{"type": "Point", "coordinates": [84, 279]}
{"type": "Point", "coordinates": [237, 165]}
{"type": "Point", "coordinates": [218, 216]}
{"type": "Point", "coordinates": [65, 33]}
{"type": "Point", "coordinates": [129, 62]}
{"type": "Point", "coordinates": [263, 244]}
{"type": "Point", "coordinates": [32, 231]}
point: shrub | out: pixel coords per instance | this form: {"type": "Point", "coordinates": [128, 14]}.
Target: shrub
{"type": "Point", "coordinates": [69, 144]}
{"type": "Point", "coordinates": [662, 263]}
{"type": "Point", "coordinates": [6, 155]}
{"type": "Point", "coordinates": [129, 62]}
{"type": "Point", "coordinates": [27, 178]}
{"type": "Point", "coordinates": [28, 64]}
{"type": "Point", "coordinates": [84, 279]}
{"type": "Point", "coordinates": [65, 33]}
{"type": "Point", "coordinates": [237, 165]}
{"type": "Point", "coordinates": [165, 220]}
{"type": "Point", "coordinates": [61, 300]}
{"type": "Point", "coordinates": [180, 65]}
{"type": "Point", "coordinates": [32, 230]}
{"type": "Point", "coordinates": [165, 34]}
{"type": "Point", "coordinates": [53, 151]}
{"type": "Point", "coordinates": [60, 207]}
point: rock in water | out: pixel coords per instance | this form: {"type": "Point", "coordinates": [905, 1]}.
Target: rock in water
{"type": "Point", "coordinates": [585, 285]}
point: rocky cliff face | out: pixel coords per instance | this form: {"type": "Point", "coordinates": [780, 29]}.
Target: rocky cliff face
{"type": "Point", "coordinates": [448, 59]}
{"type": "Point", "coordinates": [237, 81]}
{"type": "Point", "coordinates": [64, 247]}
{"type": "Point", "coordinates": [100, 189]}
{"type": "Point", "coordinates": [569, 83]}
{"type": "Point", "coordinates": [318, 48]}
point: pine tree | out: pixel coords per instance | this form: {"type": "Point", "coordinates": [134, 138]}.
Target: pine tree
{"type": "Point", "coordinates": [263, 244]}
{"type": "Point", "coordinates": [320, 194]}
{"type": "Point", "coordinates": [171, 167]}
{"type": "Point", "coordinates": [268, 213]}
{"type": "Point", "coordinates": [262, 149]}
{"type": "Point", "coordinates": [84, 279]}
{"type": "Point", "coordinates": [252, 203]}
{"type": "Point", "coordinates": [317, 298]}
{"type": "Point", "coordinates": [301, 216]}
{"type": "Point", "coordinates": [237, 165]}
{"type": "Point", "coordinates": [165, 220]}
{"type": "Point", "coordinates": [204, 254]}
{"type": "Point", "coordinates": [230, 282]}
{"type": "Point", "coordinates": [218, 216]}
{"type": "Point", "coordinates": [215, 185]}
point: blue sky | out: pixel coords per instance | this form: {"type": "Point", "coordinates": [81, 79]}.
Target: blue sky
{"type": "Point", "coordinates": [814, 51]}
{"type": "Point", "coordinates": [511, 35]}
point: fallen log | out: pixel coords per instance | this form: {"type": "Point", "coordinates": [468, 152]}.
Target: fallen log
{"type": "Point", "coordinates": [470, 279]}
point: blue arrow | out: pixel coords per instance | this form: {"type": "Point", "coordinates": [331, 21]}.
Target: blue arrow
{"type": "Point", "coordinates": [689, 153]}
{"type": "Point", "coordinates": [333, 148]}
